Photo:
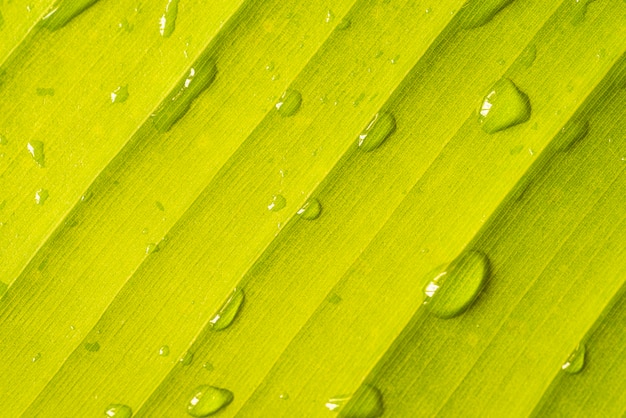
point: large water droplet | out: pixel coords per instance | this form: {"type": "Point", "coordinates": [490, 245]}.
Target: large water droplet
{"type": "Point", "coordinates": [571, 134]}
{"type": "Point", "coordinates": [207, 400]}
{"type": "Point", "coordinates": [118, 411]}
{"type": "Point", "coordinates": [367, 402]}
{"type": "Point", "coordinates": [576, 361]}
{"type": "Point", "coordinates": [476, 13]}
{"type": "Point", "coordinates": [377, 131]}
{"type": "Point", "coordinates": [310, 210]}
{"type": "Point", "coordinates": [289, 103]}
{"type": "Point", "coordinates": [63, 11]}
{"type": "Point", "coordinates": [278, 203]}
{"type": "Point", "coordinates": [451, 289]}
{"type": "Point", "coordinates": [35, 149]}
{"type": "Point", "coordinates": [504, 106]}
{"type": "Point", "coordinates": [228, 312]}
{"type": "Point", "coordinates": [41, 196]}
{"type": "Point", "coordinates": [120, 94]}
{"type": "Point", "coordinates": [177, 103]}
{"type": "Point", "coordinates": [167, 24]}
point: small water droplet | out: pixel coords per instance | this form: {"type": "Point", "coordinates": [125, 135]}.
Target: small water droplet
{"type": "Point", "coordinates": [228, 312]}
{"type": "Point", "coordinates": [576, 361]}
{"type": "Point", "coordinates": [92, 347]}
{"type": "Point", "coordinates": [601, 54]}
{"type": "Point", "coordinates": [367, 402]}
{"type": "Point", "coordinates": [207, 400]}
{"type": "Point", "coordinates": [186, 359]}
{"type": "Point", "coordinates": [344, 24]}
{"type": "Point", "coordinates": [42, 91]}
{"type": "Point", "coordinates": [167, 23]}
{"type": "Point", "coordinates": [451, 289]}
{"type": "Point", "coordinates": [580, 11]}
{"type": "Point", "coordinates": [63, 12]}
{"type": "Point", "coordinates": [269, 66]}
{"type": "Point", "coordinates": [120, 94]}
{"type": "Point", "coordinates": [164, 351]}
{"type": "Point", "coordinates": [208, 367]}
{"type": "Point", "coordinates": [36, 357]}
{"type": "Point", "coordinates": [283, 396]}
{"type": "Point", "coordinates": [159, 206]}
{"type": "Point", "coordinates": [275, 77]}
{"type": "Point", "coordinates": [41, 196]}
{"type": "Point", "coordinates": [278, 203]}
{"type": "Point", "coordinates": [476, 13]}
{"type": "Point", "coordinates": [335, 299]}
{"type": "Point", "coordinates": [310, 210]}
{"type": "Point", "coordinates": [125, 25]}
{"type": "Point", "coordinates": [289, 103]}
{"type": "Point", "coordinates": [118, 411]}
{"type": "Point", "coordinates": [528, 56]}
{"type": "Point", "coordinates": [571, 134]}
{"type": "Point", "coordinates": [177, 103]}
{"type": "Point", "coordinates": [394, 60]}
{"type": "Point", "coordinates": [377, 131]}
{"type": "Point", "coordinates": [152, 248]}
{"type": "Point", "coordinates": [330, 16]}
{"type": "Point", "coordinates": [503, 107]}
{"type": "Point", "coordinates": [3, 140]}
{"type": "Point", "coordinates": [35, 148]}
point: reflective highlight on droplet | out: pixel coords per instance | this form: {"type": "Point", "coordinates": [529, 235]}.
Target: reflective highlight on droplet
{"type": "Point", "coordinates": [164, 351]}
{"type": "Point", "coordinates": [167, 23]}
{"type": "Point", "coordinates": [64, 11]}
{"type": "Point", "coordinates": [476, 13]}
{"type": "Point", "coordinates": [177, 103]}
{"type": "Point", "coordinates": [503, 107]}
{"type": "Point", "coordinates": [571, 134]}
{"type": "Point", "coordinates": [278, 203]}
{"type": "Point", "coordinates": [377, 131]}
{"type": "Point", "coordinates": [186, 359]}
{"type": "Point", "coordinates": [120, 94]}
{"type": "Point", "coordinates": [41, 196]}
{"type": "Point", "coordinates": [311, 210]}
{"type": "Point", "coordinates": [35, 149]}
{"type": "Point", "coordinates": [118, 411]}
{"type": "Point", "coordinates": [228, 312]}
{"type": "Point", "coordinates": [576, 361]}
{"type": "Point", "coordinates": [451, 289]}
{"type": "Point", "coordinates": [289, 103]}
{"type": "Point", "coordinates": [367, 402]}
{"type": "Point", "coordinates": [207, 400]}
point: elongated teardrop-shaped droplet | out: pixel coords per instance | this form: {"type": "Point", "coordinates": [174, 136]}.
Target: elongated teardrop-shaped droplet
{"type": "Point", "coordinates": [35, 149]}
{"type": "Point", "coordinates": [167, 24]}
{"type": "Point", "coordinates": [92, 347]}
{"type": "Point", "coordinates": [289, 103]}
{"type": "Point", "coordinates": [278, 203]}
{"type": "Point", "coordinates": [528, 56]}
{"type": "Point", "coordinates": [367, 402]}
{"type": "Point", "coordinates": [186, 359]}
{"type": "Point", "coordinates": [476, 13]}
{"type": "Point", "coordinates": [63, 11]}
{"type": "Point", "coordinates": [310, 210]}
{"type": "Point", "coordinates": [571, 134]}
{"type": "Point", "coordinates": [207, 400]}
{"type": "Point", "coordinates": [177, 103]}
{"type": "Point", "coordinates": [41, 196]}
{"type": "Point", "coordinates": [504, 106]}
{"type": "Point", "coordinates": [377, 131]}
{"type": "Point", "coordinates": [576, 361]}
{"type": "Point", "coordinates": [228, 312]}
{"type": "Point", "coordinates": [451, 289]}
{"type": "Point", "coordinates": [120, 94]}
{"type": "Point", "coordinates": [580, 11]}
{"type": "Point", "coordinates": [118, 411]}
{"type": "Point", "coordinates": [164, 351]}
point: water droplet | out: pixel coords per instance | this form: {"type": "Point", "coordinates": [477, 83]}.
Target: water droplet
{"type": "Point", "coordinates": [289, 103]}
{"type": "Point", "coordinates": [41, 196]}
{"type": "Point", "coordinates": [167, 24]}
{"type": "Point", "coordinates": [528, 56]}
{"type": "Point", "coordinates": [344, 24]}
{"type": "Point", "coordinates": [358, 100]}
{"type": "Point", "coordinates": [310, 210]}
{"type": "Point", "coordinates": [283, 396]}
{"type": "Point", "coordinates": [394, 60]}
{"type": "Point", "coordinates": [207, 400]}
{"type": "Point", "coordinates": [576, 361]}
{"type": "Point", "coordinates": [118, 411]}
{"type": "Point", "coordinates": [125, 25]}
{"type": "Point", "coordinates": [3, 140]}
{"type": "Point", "coordinates": [36, 357]}
{"type": "Point", "coordinates": [367, 402]}
{"type": "Point", "coordinates": [504, 106]}
{"type": "Point", "coordinates": [159, 206]}
{"type": "Point", "coordinates": [335, 299]}
{"type": "Point", "coordinates": [275, 77]}
{"type": "Point", "coordinates": [93, 347]}
{"type": "Point", "coordinates": [186, 359]}
{"type": "Point", "coordinates": [571, 134]}
{"type": "Point", "coordinates": [269, 66]}
{"type": "Point", "coordinates": [42, 91]}
{"type": "Point", "coordinates": [228, 312]}
{"type": "Point", "coordinates": [476, 13]}
{"type": "Point", "coordinates": [330, 16]}
{"type": "Point", "coordinates": [517, 149]}
{"type": "Point", "coordinates": [580, 11]}
{"type": "Point", "coordinates": [208, 367]}
{"type": "Point", "coordinates": [377, 131]}
{"type": "Point", "coordinates": [87, 196]}
{"type": "Point", "coordinates": [177, 103]}
{"type": "Point", "coordinates": [451, 289]}
{"type": "Point", "coordinates": [152, 248]}
{"type": "Point", "coordinates": [64, 11]}
{"type": "Point", "coordinates": [164, 351]}
{"type": "Point", "coordinates": [278, 203]}
{"type": "Point", "coordinates": [35, 148]}
{"type": "Point", "coordinates": [428, 11]}
{"type": "Point", "coordinates": [120, 94]}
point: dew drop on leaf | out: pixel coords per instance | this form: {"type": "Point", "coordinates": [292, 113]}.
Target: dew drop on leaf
{"type": "Point", "coordinates": [35, 149]}
{"type": "Point", "coordinates": [120, 94]}
{"type": "Point", "coordinates": [63, 12]}
{"type": "Point", "coordinates": [278, 203]}
{"type": "Point", "coordinates": [207, 400]}
{"type": "Point", "coordinates": [186, 359]}
{"type": "Point", "coordinates": [367, 402]}
{"type": "Point", "coordinates": [504, 106]}
{"type": "Point", "coordinates": [580, 11]}
{"type": "Point", "coordinates": [377, 131]}
{"type": "Point", "coordinates": [92, 347]}
{"type": "Point", "coordinates": [228, 312]}
{"type": "Point", "coordinates": [167, 23]}
{"type": "Point", "coordinates": [476, 13]}
{"type": "Point", "coordinates": [118, 411]}
{"type": "Point", "coordinates": [164, 351]}
{"type": "Point", "coordinates": [571, 134]}
{"type": "Point", "coordinates": [344, 24]}
{"type": "Point", "coordinates": [311, 210]}
{"type": "Point", "coordinates": [41, 196]}
{"type": "Point", "coordinates": [289, 103]}
{"type": "Point", "coordinates": [528, 56]}
{"type": "Point", "coordinates": [576, 361]}
{"type": "Point", "coordinates": [451, 289]}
